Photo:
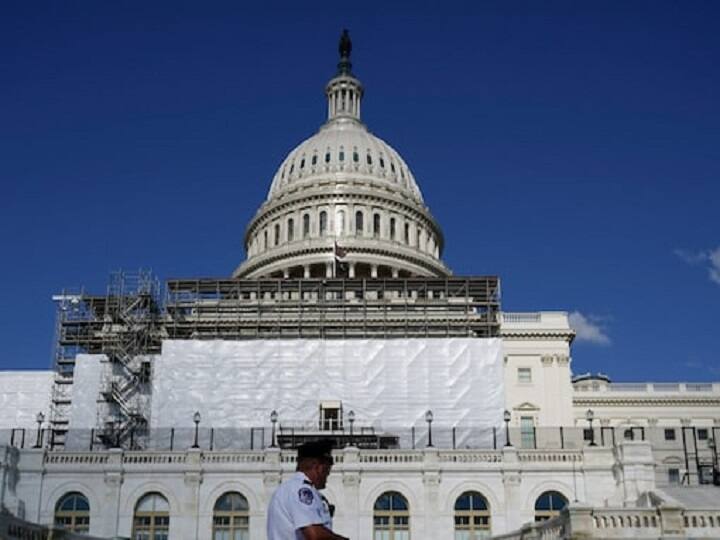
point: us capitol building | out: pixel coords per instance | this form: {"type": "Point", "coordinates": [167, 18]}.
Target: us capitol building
{"type": "Point", "coordinates": [173, 410]}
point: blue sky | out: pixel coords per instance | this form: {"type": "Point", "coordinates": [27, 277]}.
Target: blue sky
{"type": "Point", "coordinates": [569, 147]}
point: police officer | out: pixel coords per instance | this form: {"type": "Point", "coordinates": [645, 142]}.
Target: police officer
{"type": "Point", "coordinates": [297, 511]}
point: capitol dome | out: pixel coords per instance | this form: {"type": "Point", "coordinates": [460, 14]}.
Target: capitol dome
{"type": "Point", "coordinates": [343, 203]}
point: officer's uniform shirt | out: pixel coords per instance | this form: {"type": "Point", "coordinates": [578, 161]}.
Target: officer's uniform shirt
{"type": "Point", "coordinates": [294, 505]}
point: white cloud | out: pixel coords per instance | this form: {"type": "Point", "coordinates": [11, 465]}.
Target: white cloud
{"type": "Point", "coordinates": [709, 259]}
{"type": "Point", "coordinates": [588, 329]}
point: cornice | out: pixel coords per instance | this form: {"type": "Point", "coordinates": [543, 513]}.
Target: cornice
{"type": "Point", "coordinates": [609, 401]}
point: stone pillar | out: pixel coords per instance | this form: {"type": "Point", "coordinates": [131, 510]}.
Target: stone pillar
{"type": "Point", "coordinates": [513, 496]}
{"type": "Point", "coordinates": [351, 270]}
{"type": "Point", "coordinates": [110, 508]}
{"type": "Point", "coordinates": [432, 525]}
{"type": "Point", "coordinates": [187, 525]}
{"type": "Point", "coordinates": [349, 525]}
{"type": "Point", "coordinates": [306, 271]}
{"type": "Point", "coordinates": [286, 273]}
{"type": "Point", "coordinates": [671, 521]}
{"type": "Point", "coordinates": [637, 469]}
{"type": "Point", "coordinates": [373, 270]}
{"type": "Point", "coordinates": [328, 270]}
{"type": "Point", "coordinates": [395, 273]}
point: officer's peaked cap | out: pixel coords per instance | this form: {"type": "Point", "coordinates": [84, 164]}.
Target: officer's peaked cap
{"type": "Point", "coordinates": [321, 449]}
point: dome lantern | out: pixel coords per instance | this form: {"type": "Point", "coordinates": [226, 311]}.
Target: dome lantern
{"type": "Point", "coordinates": [344, 92]}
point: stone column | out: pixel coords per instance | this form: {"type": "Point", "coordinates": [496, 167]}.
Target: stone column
{"type": "Point", "coordinates": [395, 273]}
{"type": "Point", "coordinates": [351, 270]}
{"type": "Point", "coordinates": [306, 271]}
{"type": "Point", "coordinates": [110, 519]}
{"type": "Point", "coordinates": [513, 496]}
{"type": "Point", "coordinates": [286, 273]}
{"type": "Point", "coordinates": [328, 270]}
{"type": "Point", "coordinates": [373, 270]}
{"type": "Point", "coordinates": [187, 525]}
{"type": "Point", "coordinates": [349, 525]}
{"type": "Point", "coordinates": [432, 526]}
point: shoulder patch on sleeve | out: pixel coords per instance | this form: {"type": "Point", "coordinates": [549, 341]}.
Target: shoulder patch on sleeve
{"type": "Point", "coordinates": [305, 495]}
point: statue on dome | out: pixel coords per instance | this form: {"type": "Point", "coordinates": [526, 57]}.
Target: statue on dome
{"type": "Point", "coordinates": [345, 46]}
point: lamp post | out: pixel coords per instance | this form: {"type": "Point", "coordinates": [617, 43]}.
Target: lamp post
{"type": "Point", "coordinates": [39, 418]}
{"type": "Point", "coordinates": [506, 417]}
{"type": "Point", "coordinates": [590, 416]}
{"type": "Point", "coordinates": [429, 419]}
{"type": "Point", "coordinates": [196, 419]}
{"type": "Point", "coordinates": [273, 419]}
{"type": "Point", "coordinates": [351, 419]}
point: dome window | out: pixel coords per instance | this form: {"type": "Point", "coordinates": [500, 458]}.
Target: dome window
{"type": "Point", "coordinates": [341, 155]}
{"type": "Point", "coordinates": [306, 225]}
{"type": "Point", "coordinates": [392, 228]}
{"type": "Point", "coordinates": [292, 168]}
{"type": "Point", "coordinates": [382, 162]}
{"type": "Point", "coordinates": [314, 160]}
{"type": "Point", "coordinates": [376, 225]}
{"type": "Point", "coordinates": [291, 230]}
{"type": "Point", "coordinates": [369, 159]}
{"type": "Point", "coordinates": [358, 223]}
{"type": "Point", "coordinates": [392, 167]}
{"type": "Point", "coordinates": [277, 234]}
{"type": "Point", "coordinates": [407, 233]}
{"type": "Point", "coordinates": [323, 223]}
{"type": "Point", "coordinates": [356, 157]}
{"type": "Point", "coordinates": [302, 163]}
{"type": "Point", "coordinates": [327, 157]}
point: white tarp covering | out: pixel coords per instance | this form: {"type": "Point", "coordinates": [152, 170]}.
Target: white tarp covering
{"type": "Point", "coordinates": [386, 382]}
{"type": "Point", "coordinates": [23, 394]}
{"type": "Point", "coordinates": [86, 388]}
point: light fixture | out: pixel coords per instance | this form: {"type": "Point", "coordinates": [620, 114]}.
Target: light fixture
{"type": "Point", "coordinates": [273, 419]}
{"type": "Point", "coordinates": [196, 419]}
{"type": "Point", "coordinates": [429, 419]}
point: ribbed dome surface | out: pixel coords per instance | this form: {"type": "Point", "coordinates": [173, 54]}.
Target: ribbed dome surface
{"type": "Point", "coordinates": [344, 146]}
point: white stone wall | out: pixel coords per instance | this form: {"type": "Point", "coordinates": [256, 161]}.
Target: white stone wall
{"type": "Point", "coordinates": [23, 394]}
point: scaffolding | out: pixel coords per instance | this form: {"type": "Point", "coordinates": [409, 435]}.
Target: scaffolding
{"type": "Point", "coordinates": [129, 322]}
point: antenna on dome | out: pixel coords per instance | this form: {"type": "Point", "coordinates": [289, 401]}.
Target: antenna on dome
{"type": "Point", "coordinates": [345, 48]}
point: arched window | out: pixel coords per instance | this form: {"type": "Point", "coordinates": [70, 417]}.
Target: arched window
{"type": "Point", "coordinates": [265, 239]}
{"type": "Point", "coordinates": [306, 225]}
{"type": "Point", "coordinates": [391, 517]}
{"type": "Point", "coordinates": [358, 223]}
{"type": "Point", "coordinates": [356, 156]}
{"type": "Point", "coordinates": [291, 229]}
{"type": "Point", "coordinates": [472, 516]}
{"type": "Point", "coordinates": [323, 223]}
{"type": "Point", "coordinates": [277, 234]}
{"type": "Point", "coordinates": [231, 517]}
{"type": "Point", "coordinates": [72, 513]}
{"type": "Point", "coordinates": [392, 228]}
{"type": "Point", "coordinates": [376, 225]}
{"type": "Point", "coordinates": [407, 234]}
{"type": "Point", "coordinates": [341, 154]}
{"type": "Point", "coordinates": [417, 237]}
{"type": "Point", "coordinates": [152, 518]}
{"type": "Point", "coordinates": [369, 158]}
{"type": "Point", "coordinates": [549, 504]}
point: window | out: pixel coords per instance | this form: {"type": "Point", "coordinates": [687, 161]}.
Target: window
{"type": "Point", "coordinates": [265, 239]}
{"type": "Point", "coordinates": [231, 517]}
{"type": "Point", "coordinates": [524, 375]}
{"type": "Point", "coordinates": [549, 504]}
{"type": "Point", "coordinates": [330, 415]}
{"type": "Point", "coordinates": [407, 233]}
{"type": "Point", "coordinates": [669, 434]}
{"type": "Point", "coordinates": [376, 225]}
{"type": "Point", "coordinates": [314, 160]}
{"type": "Point", "coordinates": [277, 234]}
{"type": "Point", "coordinates": [472, 516]}
{"type": "Point", "coordinates": [358, 223]}
{"type": "Point", "coordinates": [306, 225]}
{"type": "Point", "coordinates": [382, 162]}
{"type": "Point", "coordinates": [302, 163]}
{"type": "Point", "coordinates": [291, 229]}
{"type": "Point", "coordinates": [527, 432]}
{"type": "Point", "coordinates": [588, 434]}
{"type": "Point", "coordinates": [72, 513]}
{"type": "Point", "coordinates": [629, 434]}
{"type": "Point", "coordinates": [391, 518]}
{"type": "Point", "coordinates": [702, 434]}
{"type": "Point", "coordinates": [327, 157]}
{"type": "Point", "coordinates": [356, 157]}
{"type": "Point", "coordinates": [674, 476]}
{"type": "Point", "coordinates": [323, 223]}
{"type": "Point", "coordinates": [341, 155]}
{"type": "Point", "coordinates": [392, 228]}
{"type": "Point", "coordinates": [417, 237]}
{"type": "Point", "coordinates": [369, 159]}
{"type": "Point", "coordinates": [152, 518]}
